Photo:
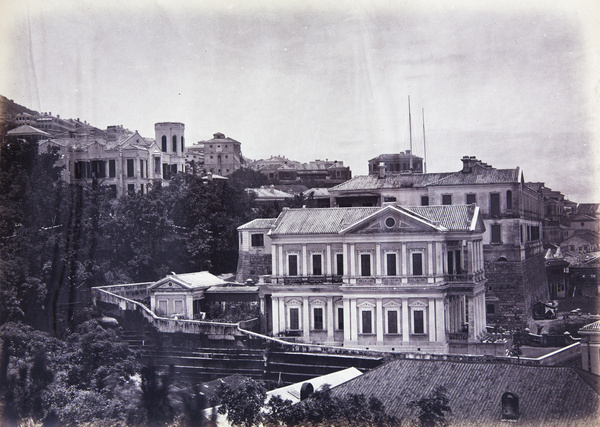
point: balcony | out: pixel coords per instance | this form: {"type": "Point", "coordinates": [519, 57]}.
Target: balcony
{"type": "Point", "coordinates": [306, 280]}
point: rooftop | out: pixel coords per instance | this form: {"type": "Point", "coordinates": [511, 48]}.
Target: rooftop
{"type": "Point", "coordinates": [547, 395]}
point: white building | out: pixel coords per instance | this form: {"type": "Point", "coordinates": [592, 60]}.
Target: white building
{"type": "Point", "coordinates": [390, 278]}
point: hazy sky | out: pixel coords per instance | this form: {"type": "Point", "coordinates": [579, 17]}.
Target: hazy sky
{"type": "Point", "coordinates": [512, 85]}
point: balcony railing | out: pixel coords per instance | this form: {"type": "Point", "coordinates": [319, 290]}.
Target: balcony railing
{"type": "Point", "coordinates": [373, 280]}
{"type": "Point", "coordinates": [458, 336]}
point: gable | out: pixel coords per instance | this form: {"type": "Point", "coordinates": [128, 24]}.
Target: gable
{"type": "Point", "coordinates": [168, 284]}
{"type": "Point", "coordinates": [391, 219]}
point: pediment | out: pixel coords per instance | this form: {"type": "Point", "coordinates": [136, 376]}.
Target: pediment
{"type": "Point", "coordinates": [366, 304]}
{"type": "Point", "coordinates": [294, 302]}
{"type": "Point", "coordinates": [169, 285]}
{"type": "Point", "coordinates": [391, 219]}
{"type": "Point", "coordinates": [417, 304]}
{"type": "Point", "coordinates": [392, 304]}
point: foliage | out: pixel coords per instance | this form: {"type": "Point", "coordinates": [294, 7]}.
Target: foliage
{"type": "Point", "coordinates": [194, 403]}
{"type": "Point", "coordinates": [247, 178]}
{"type": "Point", "coordinates": [433, 408]}
{"type": "Point", "coordinates": [155, 396]}
{"type": "Point", "coordinates": [79, 380]}
{"type": "Point", "coordinates": [232, 312]}
{"type": "Point", "coordinates": [242, 405]}
{"type": "Point", "coordinates": [324, 409]}
{"type": "Point", "coordinates": [517, 342]}
{"type": "Point", "coordinates": [571, 325]}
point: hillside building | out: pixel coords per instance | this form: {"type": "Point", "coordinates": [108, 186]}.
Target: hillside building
{"type": "Point", "coordinates": [511, 210]}
{"type": "Point", "coordinates": [405, 162]}
{"type": "Point", "coordinates": [222, 155]}
{"type": "Point", "coordinates": [120, 159]}
{"type": "Point", "coordinates": [391, 278]}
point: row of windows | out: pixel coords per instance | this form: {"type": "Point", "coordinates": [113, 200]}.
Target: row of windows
{"type": "Point", "coordinates": [365, 264]}
{"type": "Point", "coordinates": [391, 320]}
{"type": "Point", "coordinates": [97, 168]}
{"type": "Point", "coordinates": [174, 144]}
{"type": "Point", "coordinates": [472, 199]}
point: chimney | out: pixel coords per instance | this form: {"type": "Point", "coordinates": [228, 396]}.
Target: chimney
{"type": "Point", "coordinates": [381, 170]}
{"type": "Point", "coordinates": [468, 163]}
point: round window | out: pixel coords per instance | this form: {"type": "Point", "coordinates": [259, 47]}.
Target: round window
{"type": "Point", "coordinates": [390, 222]}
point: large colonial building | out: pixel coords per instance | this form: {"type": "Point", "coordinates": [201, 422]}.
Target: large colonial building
{"type": "Point", "coordinates": [511, 210]}
{"type": "Point", "coordinates": [222, 155]}
{"type": "Point", "coordinates": [391, 278]}
{"type": "Point", "coordinates": [120, 159]}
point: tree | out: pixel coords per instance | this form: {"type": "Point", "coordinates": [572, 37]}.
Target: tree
{"type": "Point", "coordinates": [155, 396]}
{"type": "Point", "coordinates": [243, 405]}
{"type": "Point", "coordinates": [433, 408]}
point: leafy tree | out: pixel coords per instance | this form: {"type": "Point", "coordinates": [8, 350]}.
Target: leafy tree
{"type": "Point", "coordinates": [194, 403]}
{"type": "Point", "coordinates": [243, 405]}
{"type": "Point", "coordinates": [433, 408]}
{"type": "Point", "coordinates": [247, 178]}
{"type": "Point", "coordinates": [155, 397]}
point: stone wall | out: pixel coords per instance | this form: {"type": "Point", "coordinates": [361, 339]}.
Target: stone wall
{"type": "Point", "coordinates": [517, 285]}
{"type": "Point", "coordinates": [250, 266]}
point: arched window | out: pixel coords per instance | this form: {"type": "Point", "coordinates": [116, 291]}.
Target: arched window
{"type": "Point", "coordinates": [502, 259]}
{"type": "Point", "coordinates": [164, 144]}
{"type": "Point", "coordinates": [510, 406]}
{"type": "Point", "coordinates": [509, 204]}
{"type": "Point", "coordinates": [174, 144]}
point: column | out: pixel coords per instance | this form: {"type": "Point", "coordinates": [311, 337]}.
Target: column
{"type": "Point", "coordinates": [378, 263]}
{"type": "Point", "coordinates": [328, 261]}
{"type": "Point", "coordinates": [379, 324]}
{"type": "Point", "coordinates": [353, 321]}
{"type": "Point", "coordinates": [281, 269]}
{"type": "Point", "coordinates": [275, 316]}
{"type": "Point", "coordinates": [330, 319]}
{"type": "Point", "coordinates": [429, 263]}
{"type": "Point", "coordinates": [432, 328]}
{"type": "Point", "coordinates": [305, 319]}
{"type": "Point", "coordinates": [404, 264]}
{"type": "Point", "coordinates": [274, 260]}
{"type": "Point", "coordinates": [346, 264]}
{"type": "Point", "coordinates": [440, 320]}
{"type": "Point", "coordinates": [352, 264]}
{"type": "Point", "coordinates": [439, 262]}
{"type": "Point", "coordinates": [473, 266]}
{"type": "Point", "coordinates": [347, 336]}
{"type": "Point", "coordinates": [304, 266]}
{"type": "Point", "coordinates": [405, 325]}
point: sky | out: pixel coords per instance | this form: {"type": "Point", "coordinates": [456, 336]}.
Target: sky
{"type": "Point", "coordinates": [512, 84]}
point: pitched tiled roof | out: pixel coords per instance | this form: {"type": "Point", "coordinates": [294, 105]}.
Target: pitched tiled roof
{"type": "Point", "coordinates": [452, 217]}
{"type": "Point", "coordinates": [547, 395]}
{"type": "Point", "coordinates": [199, 279]}
{"type": "Point", "coordinates": [373, 182]}
{"type": "Point", "coordinates": [258, 223]}
{"type": "Point", "coordinates": [480, 174]}
{"type": "Point", "coordinates": [27, 130]}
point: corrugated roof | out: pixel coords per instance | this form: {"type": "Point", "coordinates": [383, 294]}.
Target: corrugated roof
{"type": "Point", "coordinates": [592, 327]}
{"type": "Point", "coordinates": [319, 220]}
{"type": "Point", "coordinates": [452, 217]}
{"type": "Point", "coordinates": [373, 182]}
{"type": "Point", "coordinates": [547, 395]}
{"type": "Point", "coordinates": [269, 193]}
{"type": "Point", "coordinates": [334, 220]}
{"type": "Point", "coordinates": [258, 223]}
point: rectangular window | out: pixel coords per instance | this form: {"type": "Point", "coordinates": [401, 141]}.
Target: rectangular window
{"type": "Point", "coordinates": [389, 199]}
{"type": "Point", "coordinates": [258, 240]}
{"type": "Point", "coordinates": [165, 171]}
{"type": "Point", "coordinates": [424, 200]}
{"type": "Point", "coordinates": [112, 191]}
{"type": "Point", "coordinates": [131, 188]}
{"type": "Point", "coordinates": [495, 204]}
{"type": "Point", "coordinates": [157, 165]}
{"type": "Point", "coordinates": [367, 321]}
{"type": "Point", "coordinates": [112, 169]}
{"type": "Point", "coordinates": [365, 264]}
{"type": "Point", "coordinates": [142, 188]}
{"type": "Point", "coordinates": [162, 306]}
{"type": "Point", "coordinates": [340, 319]}
{"type": "Point", "coordinates": [392, 322]}
{"type": "Point", "coordinates": [471, 199]}
{"type": "Point", "coordinates": [418, 322]}
{"type": "Point", "coordinates": [496, 233]}
{"type": "Point", "coordinates": [391, 264]}
{"type": "Point", "coordinates": [292, 265]}
{"type": "Point", "coordinates": [178, 306]}
{"type": "Point", "coordinates": [318, 318]}
{"type": "Point", "coordinates": [130, 169]}
{"type": "Point", "coordinates": [535, 233]}
{"type": "Point", "coordinates": [417, 264]}
{"type": "Point", "coordinates": [339, 264]}
{"type": "Point", "coordinates": [98, 169]}
{"type": "Point", "coordinates": [446, 199]}
{"type": "Point", "coordinates": [294, 318]}
{"type": "Point", "coordinates": [141, 168]}
{"type": "Point", "coordinates": [316, 265]}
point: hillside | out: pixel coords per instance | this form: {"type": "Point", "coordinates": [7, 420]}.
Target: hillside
{"type": "Point", "coordinates": [9, 109]}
